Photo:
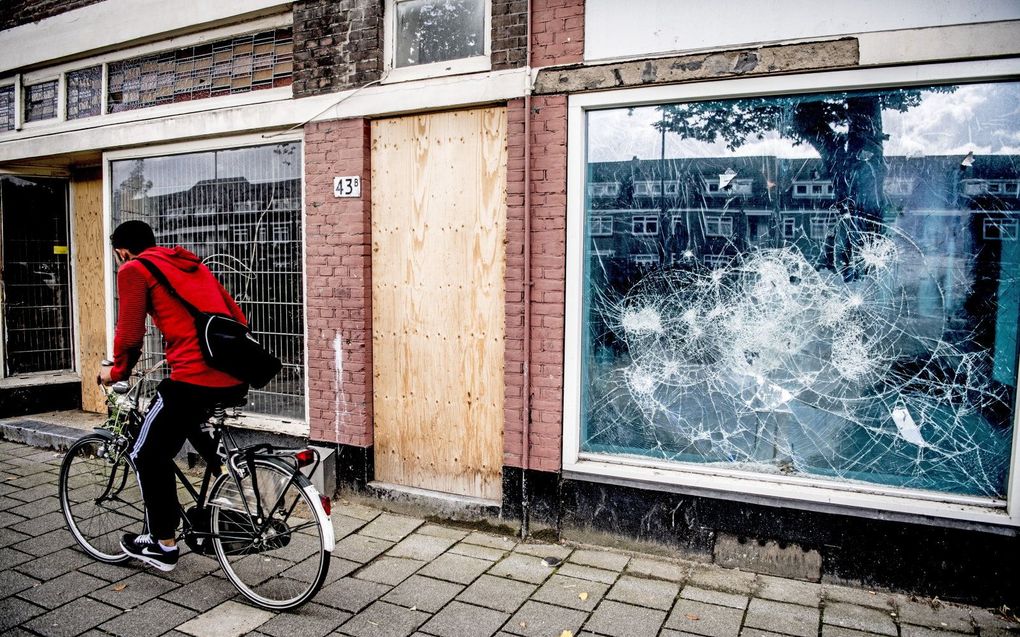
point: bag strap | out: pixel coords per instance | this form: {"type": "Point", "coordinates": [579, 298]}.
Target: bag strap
{"type": "Point", "coordinates": [156, 272]}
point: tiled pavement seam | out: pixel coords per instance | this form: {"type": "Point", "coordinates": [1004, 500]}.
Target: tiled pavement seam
{"type": "Point", "coordinates": [393, 575]}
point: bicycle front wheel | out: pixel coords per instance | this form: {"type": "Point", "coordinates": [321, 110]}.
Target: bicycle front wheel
{"type": "Point", "coordinates": [99, 496]}
{"type": "Point", "coordinates": [280, 560]}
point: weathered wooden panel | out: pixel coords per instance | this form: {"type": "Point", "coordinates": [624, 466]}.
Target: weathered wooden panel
{"type": "Point", "coordinates": [438, 261]}
{"type": "Point", "coordinates": [87, 191]}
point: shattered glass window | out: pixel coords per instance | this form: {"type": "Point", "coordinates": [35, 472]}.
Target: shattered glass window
{"type": "Point", "coordinates": [7, 108]}
{"type": "Point", "coordinates": [831, 290]}
{"type": "Point", "coordinates": [438, 30]}
{"type": "Point", "coordinates": [84, 92]}
{"type": "Point", "coordinates": [41, 101]}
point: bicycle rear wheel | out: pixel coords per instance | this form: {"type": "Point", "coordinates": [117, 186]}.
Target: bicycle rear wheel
{"type": "Point", "coordinates": [278, 562]}
{"type": "Point", "coordinates": [99, 496]}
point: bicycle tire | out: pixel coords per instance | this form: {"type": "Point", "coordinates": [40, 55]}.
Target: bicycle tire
{"type": "Point", "coordinates": [99, 496]}
{"type": "Point", "coordinates": [286, 566]}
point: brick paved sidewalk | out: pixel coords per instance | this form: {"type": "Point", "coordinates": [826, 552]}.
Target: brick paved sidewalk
{"type": "Point", "coordinates": [393, 576]}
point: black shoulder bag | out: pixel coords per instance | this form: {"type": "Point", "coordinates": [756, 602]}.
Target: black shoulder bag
{"type": "Point", "coordinates": [227, 344]}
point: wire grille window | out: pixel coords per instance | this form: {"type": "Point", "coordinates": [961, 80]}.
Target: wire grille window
{"type": "Point", "coordinates": [36, 275]}
{"type": "Point", "coordinates": [7, 108]}
{"type": "Point", "coordinates": [240, 211]}
{"type": "Point", "coordinates": [84, 92]}
{"type": "Point", "coordinates": [41, 101]}
{"type": "Point", "coordinates": [238, 65]}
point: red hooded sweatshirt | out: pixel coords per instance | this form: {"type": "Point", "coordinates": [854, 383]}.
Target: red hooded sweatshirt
{"type": "Point", "coordinates": [140, 294]}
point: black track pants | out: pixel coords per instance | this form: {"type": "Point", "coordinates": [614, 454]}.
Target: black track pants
{"type": "Point", "coordinates": [175, 415]}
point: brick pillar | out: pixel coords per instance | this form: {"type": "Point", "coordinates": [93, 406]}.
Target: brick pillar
{"type": "Point", "coordinates": [548, 275]}
{"type": "Point", "coordinates": [338, 241]}
{"type": "Point", "coordinates": [557, 32]}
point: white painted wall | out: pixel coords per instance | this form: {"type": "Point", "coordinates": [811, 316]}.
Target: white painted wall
{"type": "Point", "coordinates": [116, 23]}
{"type": "Point", "coordinates": [641, 27]}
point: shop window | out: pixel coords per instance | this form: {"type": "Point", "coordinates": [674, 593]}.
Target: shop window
{"type": "Point", "coordinates": [237, 65]}
{"type": "Point", "coordinates": [425, 32]}
{"type": "Point", "coordinates": [884, 358]}
{"type": "Point", "coordinates": [84, 92]}
{"type": "Point", "coordinates": [601, 226]}
{"type": "Point", "coordinates": [189, 200]}
{"type": "Point", "coordinates": [7, 115]}
{"type": "Point", "coordinates": [41, 101]}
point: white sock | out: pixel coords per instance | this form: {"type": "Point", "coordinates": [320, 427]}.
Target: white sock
{"type": "Point", "coordinates": [165, 548]}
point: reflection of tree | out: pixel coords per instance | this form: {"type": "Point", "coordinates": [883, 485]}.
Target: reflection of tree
{"type": "Point", "coordinates": [441, 30]}
{"type": "Point", "coordinates": [134, 188]}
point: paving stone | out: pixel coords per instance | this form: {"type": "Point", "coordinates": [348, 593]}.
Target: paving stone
{"type": "Point", "coordinates": [750, 631]}
{"type": "Point", "coordinates": [151, 618]}
{"type": "Point", "coordinates": [229, 619]}
{"type": "Point", "coordinates": [536, 619]}
{"type": "Point", "coordinates": [54, 564]}
{"type": "Point", "coordinates": [421, 547]}
{"type": "Point", "coordinates": [13, 582]}
{"type": "Point", "coordinates": [869, 620]}
{"type": "Point", "coordinates": [858, 596]}
{"type": "Point", "coordinates": [464, 620]}
{"type": "Point", "coordinates": [944, 616]}
{"type": "Point", "coordinates": [32, 494]}
{"type": "Point", "coordinates": [542, 550]}
{"type": "Point", "coordinates": [361, 548]}
{"type": "Point", "coordinates": [384, 620]}
{"type": "Point", "coordinates": [658, 569]}
{"type": "Point", "coordinates": [624, 620]}
{"type": "Point", "coordinates": [490, 540]}
{"type": "Point", "coordinates": [987, 619]}
{"type": "Point", "coordinates": [644, 592]}
{"type": "Point", "coordinates": [38, 508]}
{"type": "Point", "coordinates": [190, 567]}
{"type": "Point", "coordinates": [73, 619]}
{"type": "Point", "coordinates": [778, 617]}
{"type": "Point", "coordinates": [839, 631]}
{"type": "Point", "coordinates": [136, 590]}
{"type": "Point", "coordinates": [351, 594]}
{"type": "Point", "coordinates": [46, 543]}
{"type": "Point", "coordinates": [719, 598]}
{"type": "Point", "coordinates": [14, 611]}
{"type": "Point", "coordinates": [722, 579]}
{"type": "Point", "coordinates": [908, 630]}
{"type": "Point", "coordinates": [63, 589]}
{"type": "Point", "coordinates": [42, 524]}
{"type": "Point", "coordinates": [588, 573]}
{"type": "Point", "coordinates": [389, 570]}
{"type": "Point", "coordinates": [423, 593]}
{"type": "Point", "coordinates": [391, 527]}
{"type": "Point", "coordinates": [203, 594]}
{"type": "Point", "coordinates": [339, 567]}
{"type": "Point", "coordinates": [344, 525]}
{"type": "Point", "coordinates": [313, 620]}
{"type": "Point", "coordinates": [787, 590]}
{"type": "Point", "coordinates": [479, 551]}
{"type": "Point", "coordinates": [704, 619]}
{"type": "Point", "coordinates": [603, 559]}
{"type": "Point", "coordinates": [525, 568]}
{"type": "Point", "coordinates": [566, 591]}
{"type": "Point", "coordinates": [443, 531]}
{"type": "Point", "coordinates": [109, 572]}
{"type": "Point", "coordinates": [497, 593]}
{"type": "Point", "coordinates": [10, 557]}
{"type": "Point", "coordinates": [359, 511]}
{"type": "Point", "coordinates": [455, 568]}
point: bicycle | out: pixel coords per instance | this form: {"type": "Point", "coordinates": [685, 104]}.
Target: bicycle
{"type": "Point", "coordinates": [261, 517]}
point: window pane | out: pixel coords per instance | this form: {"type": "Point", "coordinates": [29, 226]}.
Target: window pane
{"type": "Point", "coordinates": [848, 312]}
{"type": "Point", "coordinates": [84, 92]}
{"type": "Point", "coordinates": [240, 211]}
{"type": "Point", "coordinates": [439, 30]}
{"type": "Point", "coordinates": [41, 101]}
{"type": "Point", "coordinates": [6, 108]}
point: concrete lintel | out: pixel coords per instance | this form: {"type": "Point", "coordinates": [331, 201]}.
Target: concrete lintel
{"type": "Point", "coordinates": [806, 56]}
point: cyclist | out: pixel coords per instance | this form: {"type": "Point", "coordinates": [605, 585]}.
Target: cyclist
{"type": "Point", "coordinates": [183, 401]}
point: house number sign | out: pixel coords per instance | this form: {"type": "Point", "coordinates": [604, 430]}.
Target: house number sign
{"type": "Point", "coordinates": [347, 186]}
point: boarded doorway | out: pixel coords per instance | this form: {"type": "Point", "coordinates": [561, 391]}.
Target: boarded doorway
{"type": "Point", "coordinates": [438, 260]}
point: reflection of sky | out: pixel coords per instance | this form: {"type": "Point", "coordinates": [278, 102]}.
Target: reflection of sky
{"type": "Point", "coordinates": [984, 118]}
{"type": "Point", "coordinates": [176, 173]}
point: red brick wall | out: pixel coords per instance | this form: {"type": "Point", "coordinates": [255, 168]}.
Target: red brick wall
{"type": "Point", "coordinates": [338, 239]}
{"type": "Point", "coordinates": [548, 273]}
{"type": "Point", "coordinates": [557, 32]}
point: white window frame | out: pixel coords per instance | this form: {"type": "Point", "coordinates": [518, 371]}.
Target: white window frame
{"type": "Point", "coordinates": [253, 421]}
{"type": "Point", "coordinates": [820, 224]}
{"type": "Point", "coordinates": [33, 79]}
{"type": "Point", "coordinates": [809, 185]}
{"type": "Point", "coordinates": [644, 220]}
{"type": "Point", "coordinates": [737, 187]}
{"type": "Point", "coordinates": [600, 226]}
{"type": "Point", "coordinates": [788, 227]}
{"type": "Point", "coordinates": [718, 225]}
{"type": "Point", "coordinates": [604, 189]}
{"type": "Point", "coordinates": [645, 260]}
{"type": "Point", "coordinates": [1007, 229]}
{"type": "Point", "coordinates": [870, 500]}
{"type": "Point", "coordinates": [473, 64]}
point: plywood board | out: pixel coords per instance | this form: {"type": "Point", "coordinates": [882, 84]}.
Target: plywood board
{"type": "Point", "coordinates": [87, 193]}
{"type": "Point", "coordinates": [438, 262]}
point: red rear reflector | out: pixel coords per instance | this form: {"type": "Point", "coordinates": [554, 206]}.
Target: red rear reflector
{"type": "Point", "coordinates": [327, 506]}
{"type": "Point", "coordinates": [305, 458]}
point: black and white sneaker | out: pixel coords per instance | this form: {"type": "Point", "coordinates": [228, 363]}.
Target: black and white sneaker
{"type": "Point", "coordinates": [148, 550]}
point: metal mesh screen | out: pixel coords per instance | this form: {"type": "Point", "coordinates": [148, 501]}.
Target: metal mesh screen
{"type": "Point", "coordinates": [84, 92]}
{"type": "Point", "coordinates": [240, 211]}
{"type": "Point", "coordinates": [6, 108]}
{"type": "Point", "coordinates": [41, 101]}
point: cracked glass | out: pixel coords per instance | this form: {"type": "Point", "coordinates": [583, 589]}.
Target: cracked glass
{"type": "Point", "coordinates": [820, 285]}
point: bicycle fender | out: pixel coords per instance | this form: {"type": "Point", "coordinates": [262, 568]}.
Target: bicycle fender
{"type": "Point", "coordinates": [328, 540]}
